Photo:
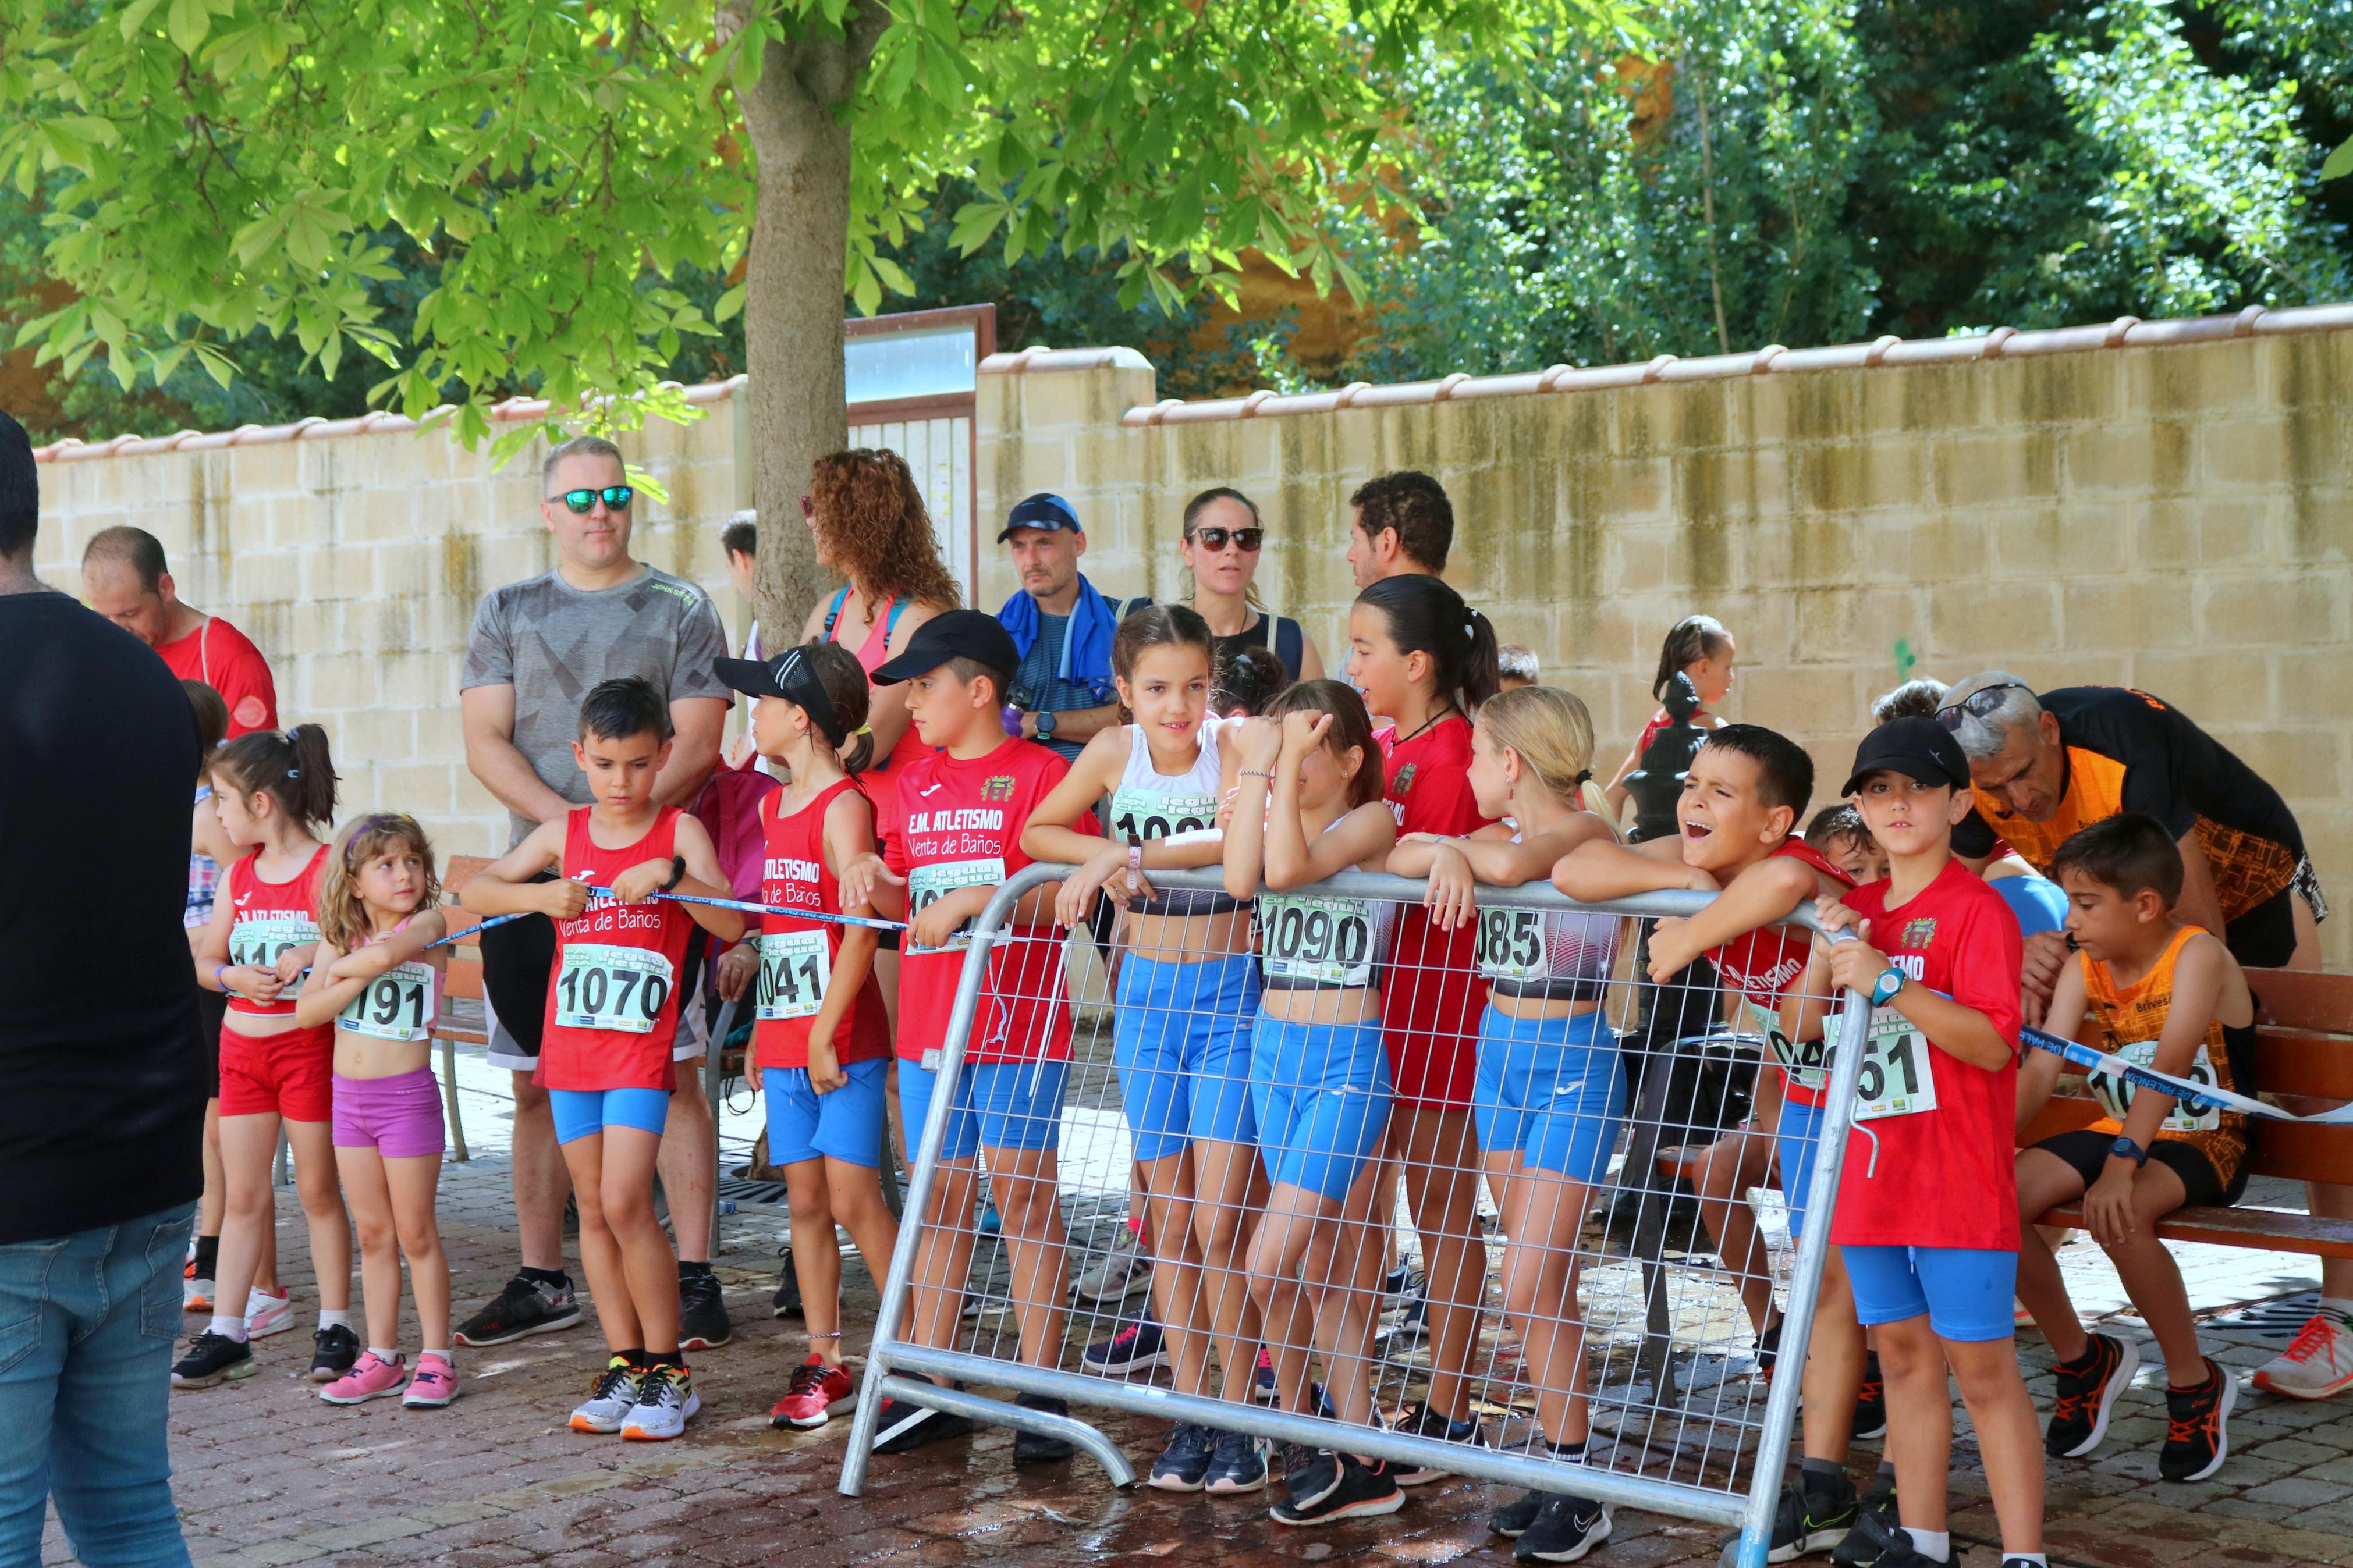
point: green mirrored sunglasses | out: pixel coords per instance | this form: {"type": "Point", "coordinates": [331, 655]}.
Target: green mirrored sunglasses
{"type": "Point", "coordinates": [616, 499]}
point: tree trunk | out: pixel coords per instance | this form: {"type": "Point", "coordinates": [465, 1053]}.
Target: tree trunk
{"type": "Point", "coordinates": [793, 299]}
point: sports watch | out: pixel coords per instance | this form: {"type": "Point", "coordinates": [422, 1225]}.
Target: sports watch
{"type": "Point", "coordinates": [2125, 1148]}
{"type": "Point", "coordinates": [1045, 726]}
{"type": "Point", "coordinates": [677, 873]}
{"type": "Point", "coordinates": [1884, 989]}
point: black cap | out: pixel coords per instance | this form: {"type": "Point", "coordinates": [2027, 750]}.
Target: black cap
{"type": "Point", "coordinates": [1042, 510]}
{"type": "Point", "coordinates": [1920, 749]}
{"type": "Point", "coordinates": [959, 634]}
{"type": "Point", "coordinates": [788, 676]}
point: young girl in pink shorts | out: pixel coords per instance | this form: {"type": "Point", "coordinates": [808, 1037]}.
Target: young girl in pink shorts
{"type": "Point", "coordinates": [375, 977]}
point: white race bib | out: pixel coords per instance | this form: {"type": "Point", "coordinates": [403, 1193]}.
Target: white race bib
{"type": "Point", "coordinates": [394, 1005]}
{"type": "Point", "coordinates": [1324, 941]}
{"type": "Point", "coordinates": [2116, 1094]}
{"type": "Point", "coordinates": [262, 942]}
{"type": "Point", "coordinates": [927, 885]}
{"type": "Point", "coordinates": [603, 987]}
{"type": "Point", "coordinates": [1897, 1079]}
{"type": "Point", "coordinates": [1512, 946]}
{"type": "Point", "coordinates": [1140, 816]}
{"type": "Point", "coordinates": [796, 967]}
{"type": "Point", "coordinates": [1806, 1064]}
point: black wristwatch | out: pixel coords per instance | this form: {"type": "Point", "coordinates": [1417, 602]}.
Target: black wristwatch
{"type": "Point", "coordinates": [677, 873]}
{"type": "Point", "coordinates": [2125, 1148]}
{"type": "Point", "coordinates": [1044, 724]}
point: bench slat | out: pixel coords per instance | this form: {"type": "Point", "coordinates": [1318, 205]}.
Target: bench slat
{"type": "Point", "coordinates": [2269, 1230]}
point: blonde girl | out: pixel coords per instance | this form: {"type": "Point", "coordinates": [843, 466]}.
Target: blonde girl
{"type": "Point", "coordinates": [378, 978]}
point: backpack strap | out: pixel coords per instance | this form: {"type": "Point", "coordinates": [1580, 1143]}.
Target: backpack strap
{"type": "Point", "coordinates": [1126, 607]}
{"type": "Point", "coordinates": [890, 621]}
{"type": "Point", "coordinates": [833, 612]}
{"type": "Point", "coordinates": [1288, 644]}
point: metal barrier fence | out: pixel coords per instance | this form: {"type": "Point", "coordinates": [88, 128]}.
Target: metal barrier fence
{"type": "Point", "coordinates": [1258, 1109]}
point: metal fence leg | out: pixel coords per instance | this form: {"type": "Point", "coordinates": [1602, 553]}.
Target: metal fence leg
{"type": "Point", "coordinates": [279, 1176]}
{"type": "Point", "coordinates": [712, 1062]}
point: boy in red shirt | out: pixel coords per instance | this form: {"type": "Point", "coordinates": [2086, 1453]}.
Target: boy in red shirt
{"type": "Point", "coordinates": [951, 836]}
{"type": "Point", "coordinates": [1927, 1213]}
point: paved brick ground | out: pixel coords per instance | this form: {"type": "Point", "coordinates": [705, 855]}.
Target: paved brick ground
{"type": "Point", "coordinates": [266, 1475]}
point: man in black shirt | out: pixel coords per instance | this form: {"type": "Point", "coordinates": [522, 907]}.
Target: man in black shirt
{"type": "Point", "coordinates": [103, 1121]}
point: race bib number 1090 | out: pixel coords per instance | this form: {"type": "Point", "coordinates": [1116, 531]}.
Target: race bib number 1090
{"type": "Point", "coordinates": [1324, 941]}
{"type": "Point", "coordinates": [602, 987]}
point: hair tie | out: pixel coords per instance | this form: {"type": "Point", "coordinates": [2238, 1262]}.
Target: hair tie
{"type": "Point", "coordinates": [1470, 628]}
{"type": "Point", "coordinates": [293, 772]}
{"type": "Point", "coordinates": [1584, 777]}
{"type": "Point", "coordinates": [288, 736]}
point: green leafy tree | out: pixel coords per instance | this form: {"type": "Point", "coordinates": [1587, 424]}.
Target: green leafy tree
{"type": "Point", "coordinates": [234, 166]}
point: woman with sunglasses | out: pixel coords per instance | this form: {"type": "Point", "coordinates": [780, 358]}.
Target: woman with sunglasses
{"type": "Point", "coordinates": [1220, 548]}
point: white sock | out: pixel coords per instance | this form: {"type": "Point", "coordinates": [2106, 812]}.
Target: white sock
{"type": "Point", "coordinates": [1937, 1545]}
{"type": "Point", "coordinates": [447, 1356]}
{"type": "Point", "coordinates": [2028, 1559]}
{"type": "Point", "coordinates": [328, 1319]}
{"type": "Point", "coordinates": [385, 1352]}
{"type": "Point", "coordinates": [228, 1328]}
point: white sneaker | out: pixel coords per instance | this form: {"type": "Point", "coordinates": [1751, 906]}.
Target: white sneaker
{"type": "Point", "coordinates": [665, 1399]}
{"type": "Point", "coordinates": [266, 1314]}
{"type": "Point", "coordinates": [1116, 1273]}
{"type": "Point", "coordinates": [2319, 1363]}
{"type": "Point", "coordinates": [608, 1407]}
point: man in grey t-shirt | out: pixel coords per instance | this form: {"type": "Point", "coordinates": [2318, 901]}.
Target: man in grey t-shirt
{"type": "Point", "coordinates": [535, 650]}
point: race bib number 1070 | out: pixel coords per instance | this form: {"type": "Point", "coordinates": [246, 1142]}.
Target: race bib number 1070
{"type": "Point", "coordinates": [603, 987]}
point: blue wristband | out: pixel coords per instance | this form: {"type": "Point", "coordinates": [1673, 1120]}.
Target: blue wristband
{"type": "Point", "coordinates": [218, 970]}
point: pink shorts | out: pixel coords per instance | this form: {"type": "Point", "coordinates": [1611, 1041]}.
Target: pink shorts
{"type": "Point", "coordinates": [398, 1116]}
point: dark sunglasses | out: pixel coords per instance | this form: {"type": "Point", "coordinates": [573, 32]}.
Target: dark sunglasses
{"type": "Point", "coordinates": [616, 498]}
{"type": "Point", "coordinates": [1978, 704]}
{"type": "Point", "coordinates": [1246, 540]}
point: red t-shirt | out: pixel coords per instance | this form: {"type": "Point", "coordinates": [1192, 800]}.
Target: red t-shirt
{"type": "Point", "coordinates": [1431, 994]}
{"type": "Point", "coordinates": [1764, 965]}
{"type": "Point", "coordinates": [612, 995]}
{"type": "Point", "coordinates": [1946, 1176]}
{"type": "Point", "coordinates": [270, 918]}
{"type": "Point", "coordinates": [956, 823]}
{"type": "Point", "coordinates": [225, 659]}
{"type": "Point", "coordinates": [795, 972]}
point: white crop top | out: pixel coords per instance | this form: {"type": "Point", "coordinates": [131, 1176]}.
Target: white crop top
{"type": "Point", "coordinates": [1149, 804]}
{"type": "Point", "coordinates": [1552, 955]}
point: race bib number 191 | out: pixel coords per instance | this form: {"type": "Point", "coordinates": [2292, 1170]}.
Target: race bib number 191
{"type": "Point", "coordinates": [393, 1005]}
{"type": "Point", "coordinates": [603, 987]}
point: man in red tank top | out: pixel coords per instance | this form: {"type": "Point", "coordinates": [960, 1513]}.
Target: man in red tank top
{"type": "Point", "coordinates": [612, 1010]}
{"type": "Point", "coordinates": [1741, 803]}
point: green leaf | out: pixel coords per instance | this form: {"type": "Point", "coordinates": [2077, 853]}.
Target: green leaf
{"type": "Point", "coordinates": [135, 14]}
{"type": "Point", "coordinates": [189, 23]}
{"type": "Point", "coordinates": [2339, 164]}
{"type": "Point", "coordinates": [730, 305]}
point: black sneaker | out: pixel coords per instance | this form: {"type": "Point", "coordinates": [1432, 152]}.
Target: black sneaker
{"type": "Point", "coordinates": [1875, 1525]}
{"type": "Point", "coordinates": [2088, 1389]}
{"type": "Point", "coordinates": [1895, 1547]}
{"type": "Point", "coordinates": [1564, 1530]}
{"type": "Point", "coordinates": [1184, 1464]}
{"type": "Point", "coordinates": [336, 1350]}
{"type": "Point", "coordinates": [1514, 1517]}
{"type": "Point", "coordinates": [213, 1358]}
{"type": "Point", "coordinates": [786, 1302]}
{"type": "Point", "coordinates": [525, 1306]}
{"type": "Point", "coordinates": [1237, 1464]}
{"type": "Point", "coordinates": [1429, 1423]}
{"type": "Point", "coordinates": [1035, 1447]}
{"type": "Point", "coordinates": [702, 1322]}
{"type": "Point", "coordinates": [1768, 1349]}
{"type": "Point", "coordinates": [1336, 1487]}
{"type": "Point", "coordinates": [1413, 1327]}
{"type": "Point", "coordinates": [1870, 1403]}
{"type": "Point", "coordinates": [1812, 1516]}
{"type": "Point", "coordinates": [2196, 1431]}
{"type": "Point", "coordinates": [901, 1426]}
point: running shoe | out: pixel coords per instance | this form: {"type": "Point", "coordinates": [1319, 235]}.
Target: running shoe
{"type": "Point", "coordinates": [525, 1306]}
{"type": "Point", "coordinates": [1139, 1347]}
{"type": "Point", "coordinates": [1402, 1286]}
{"type": "Point", "coordinates": [701, 1314]}
{"type": "Point", "coordinates": [666, 1399]}
{"type": "Point", "coordinates": [786, 1302]}
{"type": "Point", "coordinates": [434, 1385]}
{"type": "Point", "coordinates": [2317, 1364]}
{"type": "Point", "coordinates": [2088, 1389]}
{"type": "Point", "coordinates": [1874, 1522]}
{"type": "Point", "coordinates": [195, 1290]}
{"type": "Point", "coordinates": [2197, 1429]}
{"type": "Point", "coordinates": [1564, 1530]}
{"type": "Point", "coordinates": [1332, 1487]}
{"type": "Point", "coordinates": [336, 1351]}
{"type": "Point", "coordinates": [1870, 1403]}
{"type": "Point", "coordinates": [902, 1425]}
{"type": "Point", "coordinates": [1429, 1423]}
{"type": "Point", "coordinates": [615, 1396]}
{"type": "Point", "coordinates": [1037, 1447]}
{"type": "Point", "coordinates": [1237, 1464]}
{"type": "Point", "coordinates": [1263, 1386]}
{"type": "Point", "coordinates": [1413, 1327]}
{"type": "Point", "coordinates": [1184, 1464]}
{"type": "Point", "coordinates": [815, 1393]}
{"type": "Point", "coordinates": [1117, 1273]}
{"type": "Point", "coordinates": [213, 1358]}
{"type": "Point", "coordinates": [1814, 1514]}
{"type": "Point", "coordinates": [1768, 1349]}
{"type": "Point", "coordinates": [1895, 1547]}
{"type": "Point", "coordinates": [267, 1314]}
{"type": "Point", "coordinates": [1514, 1517]}
{"type": "Point", "coordinates": [371, 1377]}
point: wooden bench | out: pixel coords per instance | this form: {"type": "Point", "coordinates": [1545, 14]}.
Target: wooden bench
{"type": "Point", "coordinates": [462, 1020]}
{"type": "Point", "coordinates": [2304, 1046]}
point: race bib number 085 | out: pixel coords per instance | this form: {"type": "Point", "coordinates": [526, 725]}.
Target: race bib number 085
{"type": "Point", "coordinates": [392, 1008]}
{"type": "Point", "coordinates": [1326, 941]}
{"type": "Point", "coordinates": [927, 885]}
{"type": "Point", "coordinates": [603, 987]}
{"type": "Point", "coordinates": [796, 967]}
{"type": "Point", "coordinates": [2116, 1094]}
{"type": "Point", "coordinates": [260, 943]}
{"type": "Point", "coordinates": [1512, 945]}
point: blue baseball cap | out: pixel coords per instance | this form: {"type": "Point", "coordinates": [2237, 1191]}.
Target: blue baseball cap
{"type": "Point", "coordinates": [1041, 510]}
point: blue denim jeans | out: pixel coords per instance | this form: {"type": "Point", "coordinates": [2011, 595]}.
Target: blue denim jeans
{"type": "Point", "coordinates": [86, 1326]}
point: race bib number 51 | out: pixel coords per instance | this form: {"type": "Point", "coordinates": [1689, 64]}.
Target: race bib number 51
{"type": "Point", "coordinates": [795, 966]}
{"type": "Point", "coordinates": [1324, 942]}
{"type": "Point", "coordinates": [1898, 1078]}
{"type": "Point", "coordinates": [393, 1005]}
{"type": "Point", "coordinates": [602, 987]}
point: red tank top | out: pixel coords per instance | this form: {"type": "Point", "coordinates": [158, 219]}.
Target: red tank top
{"type": "Point", "coordinates": [270, 918]}
{"type": "Point", "coordinates": [612, 997]}
{"type": "Point", "coordinates": [796, 956]}
{"type": "Point", "coordinates": [871, 654]}
{"type": "Point", "coordinates": [1764, 965]}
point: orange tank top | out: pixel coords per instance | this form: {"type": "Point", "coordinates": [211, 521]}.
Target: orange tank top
{"type": "Point", "coordinates": [2133, 1018]}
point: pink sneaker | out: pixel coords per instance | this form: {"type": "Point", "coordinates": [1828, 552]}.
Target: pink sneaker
{"type": "Point", "coordinates": [371, 1377]}
{"type": "Point", "coordinates": [435, 1385]}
